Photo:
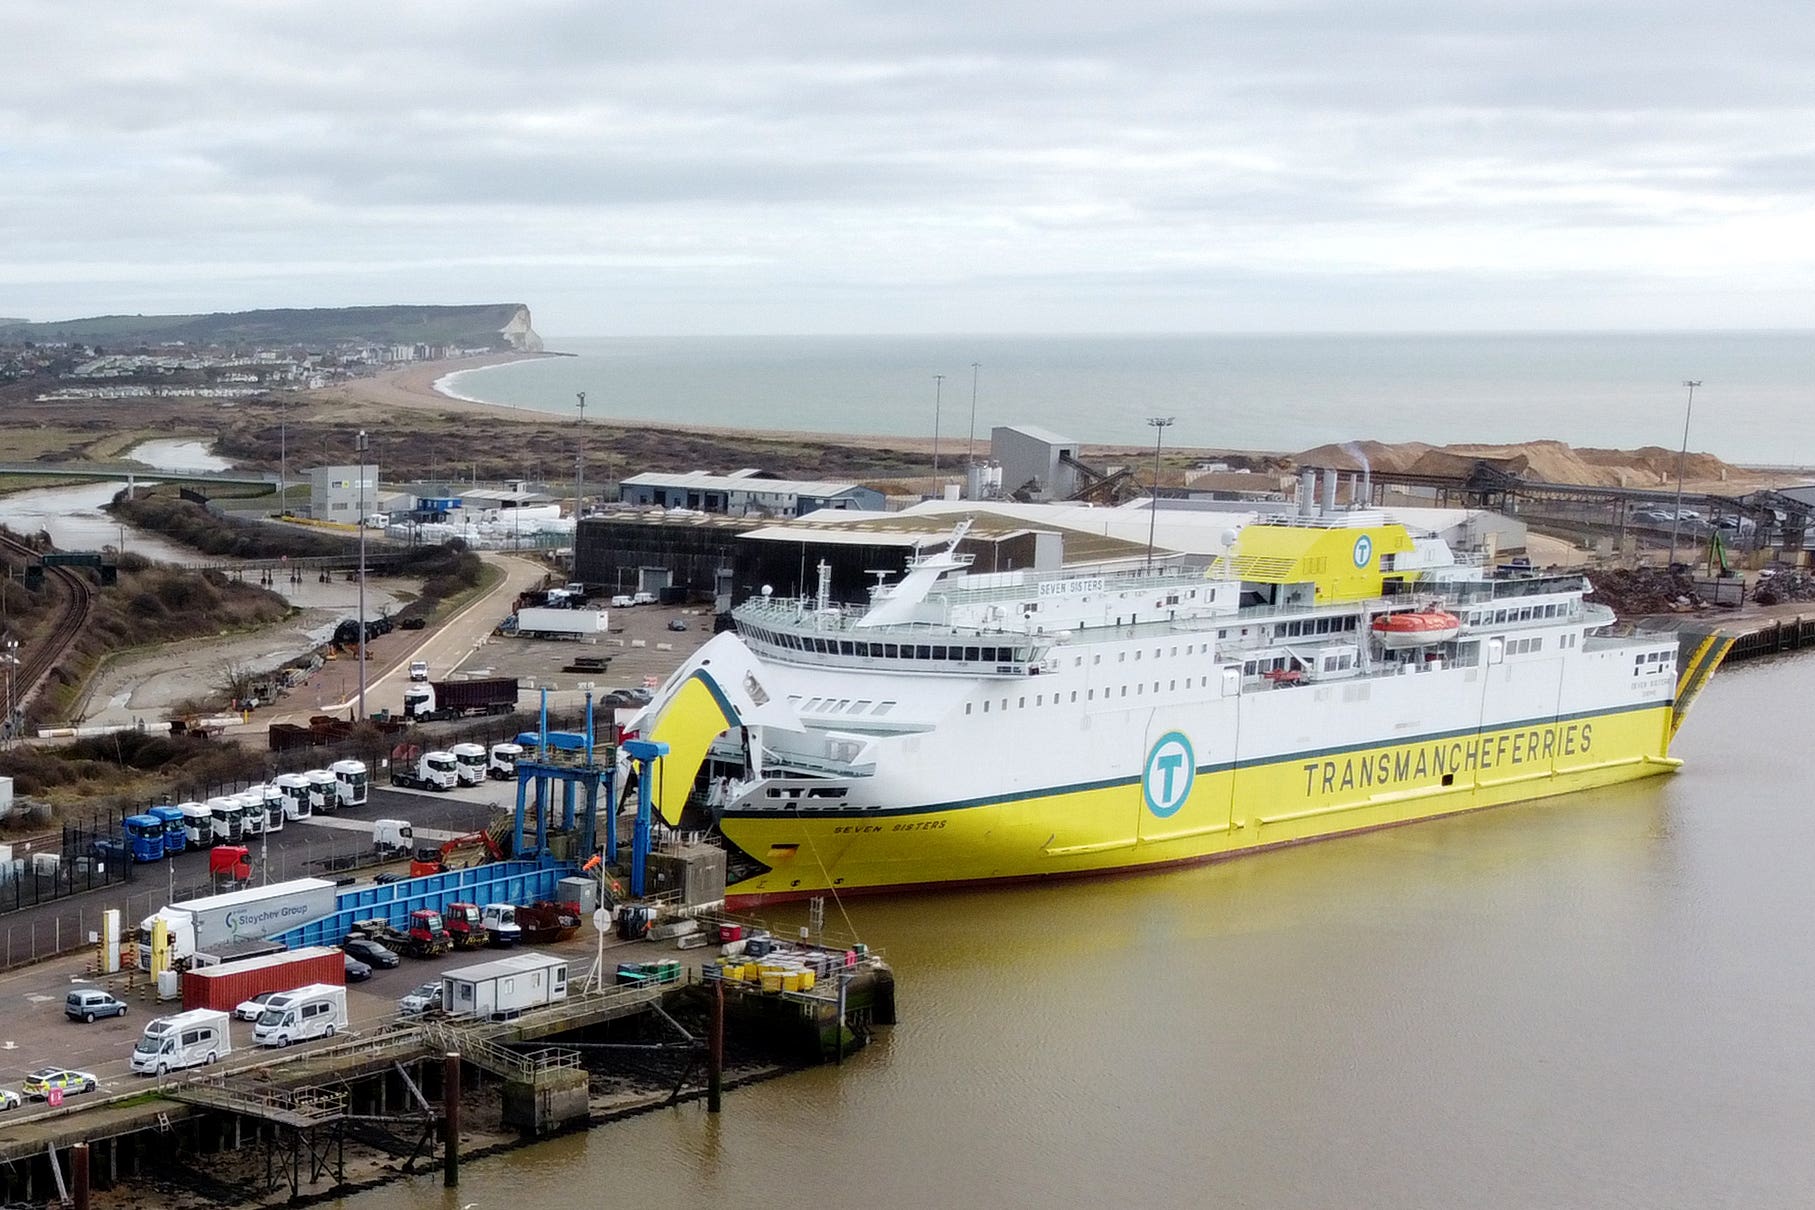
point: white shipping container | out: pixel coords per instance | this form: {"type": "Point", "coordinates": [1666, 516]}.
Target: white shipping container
{"type": "Point", "coordinates": [561, 621]}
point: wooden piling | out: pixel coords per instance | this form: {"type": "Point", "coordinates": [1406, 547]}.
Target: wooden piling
{"type": "Point", "coordinates": [78, 1175]}
{"type": "Point", "coordinates": [715, 1049]}
{"type": "Point", "coordinates": [450, 1125]}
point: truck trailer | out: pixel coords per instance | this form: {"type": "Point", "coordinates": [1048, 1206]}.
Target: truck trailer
{"type": "Point", "coordinates": [459, 699]}
{"type": "Point", "coordinates": [561, 623]}
{"type": "Point", "coordinates": [237, 916]}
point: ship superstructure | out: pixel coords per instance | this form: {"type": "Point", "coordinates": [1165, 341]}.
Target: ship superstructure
{"type": "Point", "coordinates": [1333, 672]}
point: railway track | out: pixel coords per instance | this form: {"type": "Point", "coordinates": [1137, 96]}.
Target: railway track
{"type": "Point", "coordinates": [39, 658]}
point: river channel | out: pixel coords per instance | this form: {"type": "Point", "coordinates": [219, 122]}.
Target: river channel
{"type": "Point", "coordinates": [1603, 1000]}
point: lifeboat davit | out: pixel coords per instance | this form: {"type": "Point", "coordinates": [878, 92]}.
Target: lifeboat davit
{"type": "Point", "coordinates": [1397, 631]}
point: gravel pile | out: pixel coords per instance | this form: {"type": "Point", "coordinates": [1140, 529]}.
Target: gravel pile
{"type": "Point", "coordinates": [1779, 584]}
{"type": "Point", "coordinates": [1634, 592]}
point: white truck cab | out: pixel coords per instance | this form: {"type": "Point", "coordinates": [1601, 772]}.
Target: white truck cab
{"type": "Point", "coordinates": [469, 763]}
{"type": "Point", "coordinates": [503, 761]}
{"type": "Point", "coordinates": [322, 794]}
{"type": "Point", "coordinates": [198, 824]}
{"type": "Point", "coordinates": [351, 782]}
{"type": "Point", "coordinates": [393, 836]}
{"type": "Point", "coordinates": [500, 920]}
{"type": "Point", "coordinates": [295, 790]}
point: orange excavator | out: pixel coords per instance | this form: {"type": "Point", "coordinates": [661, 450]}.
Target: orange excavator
{"type": "Point", "coordinates": [460, 853]}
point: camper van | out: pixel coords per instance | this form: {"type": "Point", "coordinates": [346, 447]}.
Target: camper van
{"type": "Point", "coordinates": [316, 1011]}
{"type": "Point", "coordinates": [186, 1040]}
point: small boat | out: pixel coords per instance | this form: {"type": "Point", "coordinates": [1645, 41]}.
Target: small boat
{"type": "Point", "coordinates": [1397, 631]}
{"type": "Point", "coordinates": [545, 922]}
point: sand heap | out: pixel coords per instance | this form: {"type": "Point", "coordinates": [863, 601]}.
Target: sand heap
{"type": "Point", "coordinates": [1546, 461]}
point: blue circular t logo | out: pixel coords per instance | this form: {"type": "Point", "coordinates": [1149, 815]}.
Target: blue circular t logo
{"type": "Point", "coordinates": [1364, 550]}
{"type": "Point", "coordinates": [1166, 781]}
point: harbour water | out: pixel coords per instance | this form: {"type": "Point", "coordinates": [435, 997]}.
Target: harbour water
{"type": "Point", "coordinates": [1266, 392]}
{"type": "Point", "coordinates": [1596, 1001]}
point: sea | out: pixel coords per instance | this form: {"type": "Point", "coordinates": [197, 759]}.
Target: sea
{"type": "Point", "coordinates": [1603, 1000]}
{"type": "Point", "coordinates": [1280, 393]}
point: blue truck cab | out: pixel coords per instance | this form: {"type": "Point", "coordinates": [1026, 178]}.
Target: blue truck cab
{"type": "Point", "coordinates": [145, 837]}
{"type": "Point", "coordinates": [175, 838]}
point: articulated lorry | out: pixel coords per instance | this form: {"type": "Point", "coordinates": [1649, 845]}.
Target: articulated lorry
{"type": "Point", "coordinates": [561, 623]}
{"type": "Point", "coordinates": [236, 916]}
{"type": "Point", "coordinates": [414, 769]}
{"type": "Point", "coordinates": [459, 699]}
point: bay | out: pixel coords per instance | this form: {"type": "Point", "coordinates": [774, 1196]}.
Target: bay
{"type": "Point", "coordinates": [1263, 392]}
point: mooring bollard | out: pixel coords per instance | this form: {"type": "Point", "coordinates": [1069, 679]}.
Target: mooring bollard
{"type": "Point", "coordinates": [78, 1176]}
{"type": "Point", "coordinates": [450, 1125]}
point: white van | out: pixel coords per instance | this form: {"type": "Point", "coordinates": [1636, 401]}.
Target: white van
{"type": "Point", "coordinates": [316, 1011]}
{"type": "Point", "coordinates": [185, 1040]}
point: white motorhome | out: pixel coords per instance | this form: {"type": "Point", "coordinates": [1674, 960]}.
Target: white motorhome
{"type": "Point", "coordinates": [316, 1011]}
{"type": "Point", "coordinates": [469, 763]}
{"type": "Point", "coordinates": [295, 790]}
{"type": "Point", "coordinates": [190, 1039]}
{"type": "Point", "coordinates": [350, 781]}
{"type": "Point", "coordinates": [198, 824]}
{"type": "Point", "coordinates": [322, 794]}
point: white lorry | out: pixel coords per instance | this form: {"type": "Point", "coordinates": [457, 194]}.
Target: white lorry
{"type": "Point", "coordinates": [322, 794]}
{"type": "Point", "coordinates": [469, 763]}
{"type": "Point", "coordinates": [561, 623]}
{"type": "Point", "coordinates": [295, 790]}
{"type": "Point", "coordinates": [504, 987]}
{"type": "Point", "coordinates": [429, 771]}
{"type": "Point", "coordinates": [316, 1011]}
{"type": "Point", "coordinates": [237, 916]}
{"type": "Point", "coordinates": [351, 782]}
{"type": "Point", "coordinates": [500, 920]}
{"type": "Point", "coordinates": [198, 824]}
{"type": "Point", "coordinates": [195, 1038]}
{"type": "Point", "coordinates": [229, 819]}
{"type": "Point", "coordinates": [252, 811]}
{"type": "Point", "coordinates": [393, 837]}
{"type": "Point", "coordinates": [502, 763]}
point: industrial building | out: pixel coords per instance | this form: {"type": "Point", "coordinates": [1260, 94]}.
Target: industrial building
{"type": "Point", "coordinates": [625, 550]}
{"type": "Point", "coordinates": [335, 492]}
{"type": "Point", "coordinates": [744, 493]}
{"type": "Point", "coordinates": [1037, 463]}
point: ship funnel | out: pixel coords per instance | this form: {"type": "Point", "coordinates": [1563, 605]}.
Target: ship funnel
{"type": "Point", "coordinates": [1329, 490]}
{"type": "Point", "coordinates": [1307, 491]}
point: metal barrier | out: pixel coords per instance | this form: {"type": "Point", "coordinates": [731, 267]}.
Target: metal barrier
{"type": "Point", "coordinates": [496, 882]}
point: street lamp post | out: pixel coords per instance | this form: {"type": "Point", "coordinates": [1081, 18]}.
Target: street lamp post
{"type": "Point", "coordinates": [10, 660]}
{"type": "Point", "coordinates": [283, 456]}
{"type": "Point", "coordinates": [579, 476]}
{"type": "Point", "coordinates": [938, 389]}
{"type": "Point", "coordinates": [970, 446]}
{"type": "Point", "coordinates": [361, 445]}
{"type": "Point", "coordinates": [1676, 514]}
{"type": "Point", "coordinates": [1160, 424]}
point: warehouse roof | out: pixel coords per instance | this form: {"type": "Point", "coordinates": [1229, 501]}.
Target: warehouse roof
{"type": "Point", "coordinates": [742, 481]}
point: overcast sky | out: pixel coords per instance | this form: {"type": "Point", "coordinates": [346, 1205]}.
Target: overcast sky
{"type": "Point", "coordinates": [998, 167]}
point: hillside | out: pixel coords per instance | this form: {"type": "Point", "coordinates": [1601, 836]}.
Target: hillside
{"type": "Point", "coordinates": [487, 326]}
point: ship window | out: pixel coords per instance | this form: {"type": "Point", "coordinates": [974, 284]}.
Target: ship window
{"type": "Point", "coordinates": [970, 653]}
{"type": "Point", "coordinates": [1121, 657]}
{"type": "Point", "coordinates": [1175, 651]}
{"type": "Point", "coordinates": [1139, 690]}
{"type": "Point", "coordinates": [986, 706]}
{"type": "Point", "coordinates": [1172, 684]}
{"type": "Point", "coordinates": [1039, 699]}
{"type": "Point", "coordinates": [862, 707]}
{"type": "Point", "coordinates": [922, 652]}
{"type": "Point", "coordinates": [1096, 659]}
{"type": "Point", "coordinates": [1124, 691]}
{"type": "Point", "coordinates": [967, 707]}
{"type": "Point", "coordinates": [1077, 662]}
{"type": "Point", "coordinates": [1156, 653]}
{"type": "Point", "coordinates": [794, 700]}
{"type": "Point", "coordinates": [1005, 703]}
{"type": "Point", "coordinates": [1093, 696]}
{"type": "Point", "coordinates": [1074, 696]}
{"type": "Point", "coordinates": [890, 651]}
{"type": "Point", "coordinates": [1021, 704]}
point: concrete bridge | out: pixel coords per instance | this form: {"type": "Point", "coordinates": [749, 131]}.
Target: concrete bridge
{"type": "Point", "coordinates": [135, 470]}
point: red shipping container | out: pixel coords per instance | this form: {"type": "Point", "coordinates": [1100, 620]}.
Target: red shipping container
{"type": "Point", "coordinates": [226, 985]}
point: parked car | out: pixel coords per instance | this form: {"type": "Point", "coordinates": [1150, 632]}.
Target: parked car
{"type": "Point", "coordinates": [419, 670]}
{"type": "Point", "coordinates": [1653, 514]}
{"type": "Point", "coordinates": [643, 598]}
{"type": "Point", "coordinates": [357, 971]}
{"type": "Point", "coordinates": [371, 953]}
{"type": "Point", "coordinates": [424, 998]}
{"type": "Point", "coordinates": [87, 1003]}
{"type": "Point", "coordinates": [10, 1099]}
{"type": "Point", "coordinates": [677, 623]}
{"type": "Point", "coordinates": [248, 1010]}
{"type": "Point", "coordinates": [622, 601]}
{"type": "Point", "coordinates": [42, 1082]}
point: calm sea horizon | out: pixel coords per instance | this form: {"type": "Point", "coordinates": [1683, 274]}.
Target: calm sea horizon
{"type": "Point", "coordinates": [1284, 392]}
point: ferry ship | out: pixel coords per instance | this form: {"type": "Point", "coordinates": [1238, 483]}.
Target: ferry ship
{"type": "Point", "coordinates": [1333, 672]}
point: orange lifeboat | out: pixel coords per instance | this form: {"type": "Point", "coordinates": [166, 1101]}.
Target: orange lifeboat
{"type": "Point", "coordinates": [1397, 631]}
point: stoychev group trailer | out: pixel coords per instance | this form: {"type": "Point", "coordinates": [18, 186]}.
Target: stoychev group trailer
{"type": "Point", "coordinates": [238, 916]}
{"type": "Point", "coordinates": [504, 987]}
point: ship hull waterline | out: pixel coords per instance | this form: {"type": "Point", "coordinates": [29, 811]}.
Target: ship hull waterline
{"type": "Point", "coordinates": [1229, 812]}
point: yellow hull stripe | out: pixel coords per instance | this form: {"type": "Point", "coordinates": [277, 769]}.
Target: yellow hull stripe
{"type": "Point", "coordinates": [1228, 811]}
